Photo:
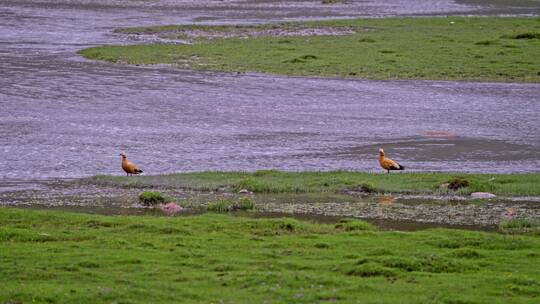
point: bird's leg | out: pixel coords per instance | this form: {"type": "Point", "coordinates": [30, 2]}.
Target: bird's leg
{"type": "Point", "coordinates": [388, 171]}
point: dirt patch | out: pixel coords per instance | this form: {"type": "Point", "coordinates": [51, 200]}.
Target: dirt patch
{"type": "Point", "coordinates": [187, 33]}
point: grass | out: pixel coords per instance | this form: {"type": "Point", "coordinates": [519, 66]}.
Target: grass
{"type": "Point", "coordinates": [270, 181]}
{"type": "Point", "coordinates": [445, 48]}
{"type": "Point", "coordinates": [520, 226]}
{"type": "Point", "coordinates": [150, 198]}
{"type": "Point", "coordinates": [227, 205]}
{"type": "Point", "coordinates": [56, 257]}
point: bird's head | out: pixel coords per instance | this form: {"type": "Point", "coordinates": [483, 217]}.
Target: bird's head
{"type": "Point", "coordinates": [381, 152]}
{"type": "Point", "coordinates": [123, 155]}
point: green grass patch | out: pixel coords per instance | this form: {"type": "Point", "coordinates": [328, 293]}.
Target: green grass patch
{"type": "Point", "coordinates": [354, 225]}
{"type": "Point", "coordinates": [520, 226]}
{"type": "Point", "coordinates": [228, 205]}
{"type": "Point", "coordinates": [270, 181]}
{"type": "Point", "coordinates": [216, 258]}
{"type": "Point", "coordinates": [446, 48]}
{"type": "Point", "coordinates": [457, 183]}
{"type": "Point", "coordinates": [151, 198]}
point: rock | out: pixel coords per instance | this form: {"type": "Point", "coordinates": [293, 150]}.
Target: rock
{"type": "Point", "coordinates": [170, 208]}
{"type": "Point", "coordinates": [244, 191]}
{"type": "Point", "coordinates": [221, 190]}
{"type": "Point", "coordinates": [482, 195]}
{"type": "Point", "coordinates": [510, 213]}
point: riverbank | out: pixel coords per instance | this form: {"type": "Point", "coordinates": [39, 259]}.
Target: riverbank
{"type": "Point", "coordinates": [59, 257]}
{"type": "Point", "coordinates": [346, 182]}
{"type": "Point", "coordinates": [435, 48]}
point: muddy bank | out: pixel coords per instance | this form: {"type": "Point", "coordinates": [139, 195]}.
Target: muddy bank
{"type": "Point", "coordinates": [429, 210]}
{"type": "Point", "coordinates": [188, 34]}
{"type": "Point", "coordinates": [415, 210]}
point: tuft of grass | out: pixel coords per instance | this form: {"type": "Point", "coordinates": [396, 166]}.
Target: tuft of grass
{"type": "Point", "coordinates": [369, 40]}
{"type": "Point", "coordinates": [520, 226]}
{"type": "Point", "coordinates": [151, 198]}
{"type": "Point", "coordinates": [528, 35]}
{"type": "Point", "coordinates": [245, 203]}
{"type": "Point", "coordinates": [425, 263]}
{"type": "Point", "coordinates": [354, 225]}
{"type": "Point", "coordinates": [457, 183]}
{"type": "Point", "coordinates": [222, 205]}
{"type": "Point", "coordinates": [228, 205]}
{"type": "Point", "coordinates": [486, 42]}
{"type": "Point", "coordinates": [367, 188]}
{"type": "Point", "coordinates": [466, 253]}
{"type": "Point", "coordinates": [370, 270]}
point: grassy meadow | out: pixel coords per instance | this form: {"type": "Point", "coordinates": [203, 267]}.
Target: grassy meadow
{"type": "Point", "coordinates": [58, 257]}
{"type": "Point", "coordinates": [270, 181]}
{"type": "Point", "coordinates": [442, 48]}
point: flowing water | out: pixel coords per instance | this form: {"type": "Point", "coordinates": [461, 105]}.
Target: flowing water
{"type": "Point", "coordinates": [65, 117]}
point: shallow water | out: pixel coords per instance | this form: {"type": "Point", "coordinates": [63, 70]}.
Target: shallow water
{"type": "Point", "coordinates": [65, 117]}
{"type": "Point", "coordinates": [381, 224]}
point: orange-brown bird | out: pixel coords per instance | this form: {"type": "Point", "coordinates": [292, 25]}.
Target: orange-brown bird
{"type": "Point", "coordinates": [387, 163]}
{"type": "Point", "coordinates": [129, 167]}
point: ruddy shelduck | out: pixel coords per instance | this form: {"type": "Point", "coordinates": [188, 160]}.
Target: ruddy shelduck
{"type": "Point", "coordinates": [387, 163]}
{"type": "Point", "coordinates": [129, 167]}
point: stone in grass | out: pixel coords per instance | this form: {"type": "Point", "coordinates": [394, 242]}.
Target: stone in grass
{"type": "Point", "coordinates": [245, 191]}
{"type": "Point", "coordinates": [482, 195]}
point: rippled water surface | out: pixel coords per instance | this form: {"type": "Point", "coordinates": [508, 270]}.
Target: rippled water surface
{"type": "Point", "coordinates": [62, 116]}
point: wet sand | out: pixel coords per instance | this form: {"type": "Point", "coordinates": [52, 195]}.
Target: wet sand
{"type": "Point", "coordinates": [66, 117]}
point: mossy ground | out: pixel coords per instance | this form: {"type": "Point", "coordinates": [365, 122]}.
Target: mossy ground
{"type": "Point", "coordinates": [270, 181]}
{"type": "Point", "coordinates": [445, 48]}
{"type": "Point", "coordinates": [56, 257]}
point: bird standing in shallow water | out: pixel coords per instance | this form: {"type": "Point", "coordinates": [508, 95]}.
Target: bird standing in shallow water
{"type": "Point", "coordinates": [129, 167]}
{"type": "Point", "coordinates": [387, 163]}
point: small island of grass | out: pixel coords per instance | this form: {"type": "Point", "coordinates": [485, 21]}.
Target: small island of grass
{"type": "Point", "coordinates": [437, 48]}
